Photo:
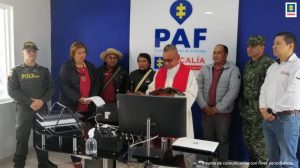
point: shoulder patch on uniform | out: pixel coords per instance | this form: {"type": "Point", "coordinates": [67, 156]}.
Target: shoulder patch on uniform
{"type": "Point", "coordinates": [18, 67]}
{"type": "Point", "coordinates": [41, 67]}
{"type": "Point", "coordinates": [10, 73]}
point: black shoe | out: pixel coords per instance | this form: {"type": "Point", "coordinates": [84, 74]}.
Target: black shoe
{"type": "Point", "coordinates": [49, 164]}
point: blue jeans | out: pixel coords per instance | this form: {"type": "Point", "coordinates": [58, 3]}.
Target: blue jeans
{"type": "Point", "coordinates": [281, 138]}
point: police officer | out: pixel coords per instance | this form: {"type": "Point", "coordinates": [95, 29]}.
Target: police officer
{"type": "Point", "coordinates": [31, 86]}
{"type": "Point", "coordinates": [253, 77]}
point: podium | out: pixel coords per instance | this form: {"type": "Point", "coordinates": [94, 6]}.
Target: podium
{"type": "Point", "coordinates": [62, 123]}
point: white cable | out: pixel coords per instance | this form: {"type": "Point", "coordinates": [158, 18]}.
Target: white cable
{"type": "Point", "coordinates": [132, 145]}
{"type": "Point", "coordinates": [106, 125]}
{"type": "Point", "coordinates": [132, 138]}
{"type": "Point", "coordinates": [96, 118]}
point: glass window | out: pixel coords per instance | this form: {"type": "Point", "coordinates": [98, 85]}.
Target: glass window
{"type": "Point", "coordinates": [6, 48]}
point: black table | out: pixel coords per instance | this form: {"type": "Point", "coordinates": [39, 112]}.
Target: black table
{"type": "Point", "coordinates": [75, 145]}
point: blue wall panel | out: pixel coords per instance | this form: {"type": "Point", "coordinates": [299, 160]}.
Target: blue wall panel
{"type": "Point", "coordinates": [101, 24]}
{"type": "Point", "coordinates": [266, 18]}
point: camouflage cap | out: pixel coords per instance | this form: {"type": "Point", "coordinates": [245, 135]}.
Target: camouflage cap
{"type": "Point", "coordinates": [30, 45]}
{"type": "Point", "coordinates": [256, 40]}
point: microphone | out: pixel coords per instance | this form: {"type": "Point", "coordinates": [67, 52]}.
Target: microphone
{"type": "Point", "coordinates": [270, 111]}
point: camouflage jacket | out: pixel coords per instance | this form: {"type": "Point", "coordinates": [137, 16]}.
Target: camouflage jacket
{"type": "Point", "coordinates": [253, 77]}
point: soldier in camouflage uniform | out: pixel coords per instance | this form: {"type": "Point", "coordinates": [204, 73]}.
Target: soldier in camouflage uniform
{"type": "Point", "coordinates": [31, 86]}
{"type": "Point", "coordinates": [253, 77]}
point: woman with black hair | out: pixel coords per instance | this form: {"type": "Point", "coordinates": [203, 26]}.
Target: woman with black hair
{"type": "Point", "coordinates": [142, 77]}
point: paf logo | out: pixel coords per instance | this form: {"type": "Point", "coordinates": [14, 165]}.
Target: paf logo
{"type": "Point", "coordinates": [158, 62]}
{"type": "Point", "coordinates": [180, 10]}
{"type": "Point", "coordinates": [188, 39]}
{"type": "Point", "coordinates": [291, 9]}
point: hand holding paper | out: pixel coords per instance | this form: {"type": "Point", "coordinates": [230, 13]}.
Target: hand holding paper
{"type": "Point", "coordinates": [83, 101]}
{"type": "Point", "coordinates": [96, 99]}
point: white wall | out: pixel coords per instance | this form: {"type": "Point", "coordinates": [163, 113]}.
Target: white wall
{"type": "Point", "coordinates": [31, 23]}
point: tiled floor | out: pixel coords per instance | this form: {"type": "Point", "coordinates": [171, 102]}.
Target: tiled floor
{"type": "Point", "coordinates": [62, 160]}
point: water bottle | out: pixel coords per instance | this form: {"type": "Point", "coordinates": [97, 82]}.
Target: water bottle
{"type": "Point", "coordinates": [91, 143]}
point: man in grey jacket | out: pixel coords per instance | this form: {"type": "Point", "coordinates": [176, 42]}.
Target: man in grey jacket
{"type": "Point", "coordinates": [218, 87]}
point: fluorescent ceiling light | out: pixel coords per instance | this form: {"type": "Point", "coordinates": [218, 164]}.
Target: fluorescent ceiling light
{"type": "Point", "coordinates": [209, 12]}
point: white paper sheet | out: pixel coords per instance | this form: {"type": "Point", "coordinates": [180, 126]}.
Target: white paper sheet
{"type": "Point", "coordinates": [96, 99]}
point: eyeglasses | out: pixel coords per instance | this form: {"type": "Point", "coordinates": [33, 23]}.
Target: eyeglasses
{"type": "Point", "coordinates": [168, 60]}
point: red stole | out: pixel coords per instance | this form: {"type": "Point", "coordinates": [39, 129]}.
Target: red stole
{"type": "Point", "coordinates": [179, 82]}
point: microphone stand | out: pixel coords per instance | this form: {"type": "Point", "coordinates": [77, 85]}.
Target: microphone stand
{"type": "Point", "coordinates": [148, 164]}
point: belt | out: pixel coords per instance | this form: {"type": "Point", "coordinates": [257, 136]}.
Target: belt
{"type": "Point", "coordinates": [289, 112]}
